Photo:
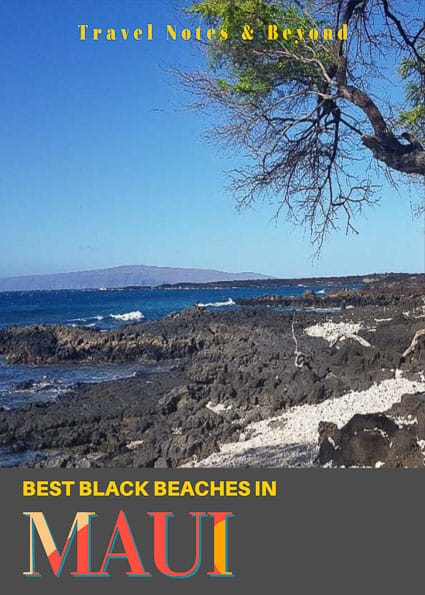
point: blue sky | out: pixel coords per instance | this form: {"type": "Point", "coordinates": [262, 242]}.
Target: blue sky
{"type": "Point", "coordinates": [101, 165]}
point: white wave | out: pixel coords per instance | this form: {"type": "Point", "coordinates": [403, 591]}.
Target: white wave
{"type": "Point", "coordinates": [322, 291]}
{"type": "Point", "coordinates": [229, 302]}
{"type": "Point", "coordinates": [98, 317]}
{"type": "Point", "coordinates": [128, 316]}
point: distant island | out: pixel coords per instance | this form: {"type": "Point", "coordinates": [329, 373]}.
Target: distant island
{"type": "Point", "coordinates": [139, 277]}
{"type": "Point", "coordinates": [122, 276]}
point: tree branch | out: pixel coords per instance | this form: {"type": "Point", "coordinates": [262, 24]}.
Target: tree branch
{"type": "Point", "coordinates": [411, 44]}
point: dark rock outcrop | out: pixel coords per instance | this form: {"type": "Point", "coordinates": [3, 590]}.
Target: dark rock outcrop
{"type": "Point", "coordinates": [230, 368]}
{"type": "Point", "coordinates": [394, 439]}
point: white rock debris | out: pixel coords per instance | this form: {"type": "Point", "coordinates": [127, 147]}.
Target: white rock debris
{"type": "Point", "coordinates": [218, 408]}
{"type": "Point", "coordinates": [291, 439]}
{"type": "Point", "coordinates": [135, 444]}
{"type": "Point", "coordinates": [333, 332]}
{"type": "Point", "coordinates": [405, 421]}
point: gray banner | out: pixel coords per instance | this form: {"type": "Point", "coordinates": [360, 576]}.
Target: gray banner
{"type": "Point", "coordinates": [323, 530]}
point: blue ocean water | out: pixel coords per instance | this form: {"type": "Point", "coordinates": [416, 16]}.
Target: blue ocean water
{"type": "Point", "coordinates": [112, 308]}
{"type": "Point", "coordinates": [21, 384]}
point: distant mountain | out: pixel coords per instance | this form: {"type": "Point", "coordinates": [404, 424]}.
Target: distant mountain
{"type": "Point", "coordinates": [121, 277]}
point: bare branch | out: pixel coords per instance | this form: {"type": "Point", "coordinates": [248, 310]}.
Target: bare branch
{"type": "Point", "coordinates": [311, 120]}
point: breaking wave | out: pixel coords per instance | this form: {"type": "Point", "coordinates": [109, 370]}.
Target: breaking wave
{"type": "Point", "coordinates": [229, 302]}
{"type": "Point", "coordinates": [128, 316]}
{"type": "Point", "coordinates": [99, 318]}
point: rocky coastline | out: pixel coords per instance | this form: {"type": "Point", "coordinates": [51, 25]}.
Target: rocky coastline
{"type": "Point", "coordinates": [229, 373]}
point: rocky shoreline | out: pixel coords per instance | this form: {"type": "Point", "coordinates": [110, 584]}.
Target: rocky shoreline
{"type": "Point", "coordinates": [226, 373]}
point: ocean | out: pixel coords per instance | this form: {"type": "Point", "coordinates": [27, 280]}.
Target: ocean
{"type": "Point", "coordinates": [106, 309]}
{"type": "Point", "coordinates": [111, 308]}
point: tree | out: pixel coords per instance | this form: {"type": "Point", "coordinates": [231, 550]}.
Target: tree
{"type": "Point", "coordinates": [312, 114]}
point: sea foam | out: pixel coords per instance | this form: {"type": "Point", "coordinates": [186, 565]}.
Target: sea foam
{"type": "Point", "coordinates": [229, 302]}
{"type": "Point", "coordinates": [87, 319]}
{"type": "Point", "coordinates": [128, 316]}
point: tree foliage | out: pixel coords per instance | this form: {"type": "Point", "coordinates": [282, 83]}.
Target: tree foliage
{"type": "Point", "coordinates": [412, 70]}
{"type": "Point", "coordinates": [309, 113]}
